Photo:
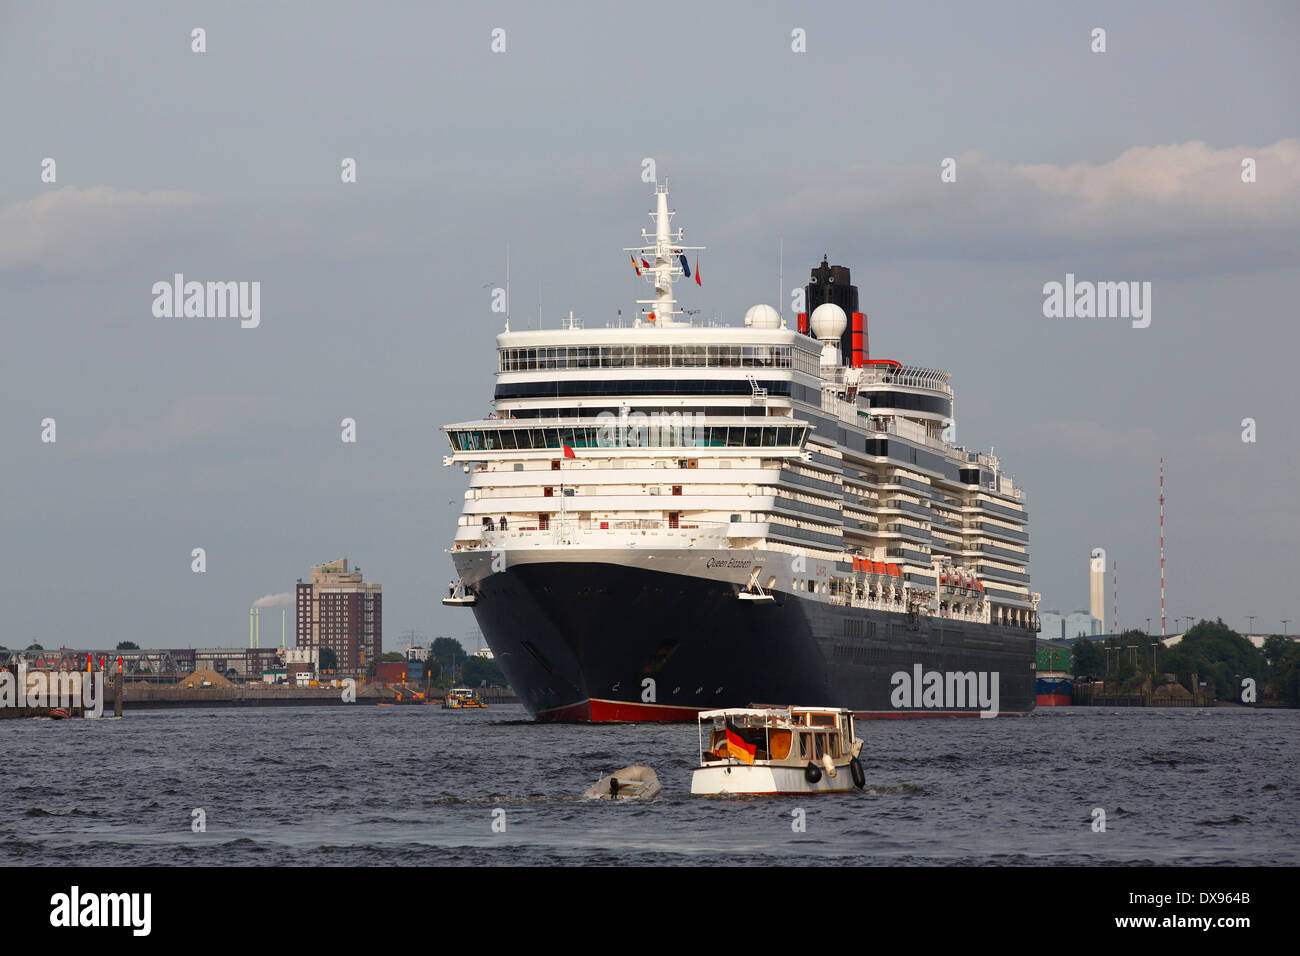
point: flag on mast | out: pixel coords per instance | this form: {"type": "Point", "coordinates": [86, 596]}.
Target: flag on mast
{"type": "Point", "coordinates": [634, 265]}
{"type": "Point", "coordinates": [697, 270]}
{"type": "Point", "coordinates": [568, 452]}
{"type": "Point", "coordinates": [738, 746]}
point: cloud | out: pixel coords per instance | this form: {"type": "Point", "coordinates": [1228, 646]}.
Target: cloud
{"type": "Point", "coordinates": [194, 417]}
{"type": "Point", "coordinates": [1181, 205]}
{"type": "Point", "coordinates": [283, 599]}
{"type": "Point", "coordinates": [72, 230]}
{"type": "Point", "coordinates": [1187, 175]}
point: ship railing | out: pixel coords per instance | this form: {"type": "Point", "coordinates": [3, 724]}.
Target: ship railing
{"type": "Point", "coordinates": [907, 375]}
{"type": "Point", "coordinates": [876, 604]}
{"type": "Point", "coordinates": [598, 526]}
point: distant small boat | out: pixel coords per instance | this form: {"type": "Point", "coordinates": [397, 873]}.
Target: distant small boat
{"type": "Point", "coordinates": [58, 714]}
{"type": "Point", "coordinates": [461, 698]}
{"type": "Point", "coordinates": [778, 750]}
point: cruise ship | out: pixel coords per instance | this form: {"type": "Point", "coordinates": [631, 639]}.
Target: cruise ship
{"type": "Point", "coordinates": [666, 516]}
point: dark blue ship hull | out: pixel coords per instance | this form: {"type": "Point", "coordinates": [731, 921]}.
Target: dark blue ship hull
{"type": "Point", "coordinates": [600, 642]}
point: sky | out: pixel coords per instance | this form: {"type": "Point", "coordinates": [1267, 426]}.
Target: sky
{"type": "Point", "coordinates": [225, 165]}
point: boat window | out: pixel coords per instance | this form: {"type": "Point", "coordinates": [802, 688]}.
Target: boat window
{"type": "Point", "coordinates": [820, 740]}
{"type": "Point", "coordinates": [780, 743]}
{"type": "Point", "coordinates": [835, 745]}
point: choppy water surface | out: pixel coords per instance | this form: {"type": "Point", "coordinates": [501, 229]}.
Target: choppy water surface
{"type": "Point", "coordinates": [418, 785]}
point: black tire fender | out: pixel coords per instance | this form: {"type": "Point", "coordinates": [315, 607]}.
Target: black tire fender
{"type": "Point", "coordinates": [812, 773]}
{"type": "Point", "coordinates": [859, 778]}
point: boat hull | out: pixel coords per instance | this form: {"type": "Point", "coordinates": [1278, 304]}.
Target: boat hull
{"type": "Point", "coordinates": [606, 641]}
{"type": "Point", "coordinates": [765, 780]}
{"type": "Point", "coordinates": [1055, 690]}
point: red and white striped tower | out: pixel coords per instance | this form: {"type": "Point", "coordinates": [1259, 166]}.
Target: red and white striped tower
{"type": "Point", "coordinates": [1162, 547]}
{"type": "Point", "coordinates": [1114, 566]}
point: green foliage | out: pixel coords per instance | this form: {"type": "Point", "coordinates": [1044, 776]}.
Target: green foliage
{"type": "Point", "coordinates": [1275, 646]}
{"type": "Point", "coordinates": [478, 670]}
{"type": "Point", "coordinates": [127, 646]}
{"type": "Point", "coordinates": [1286, 676]}
{"type": "Point", "coordinates": [446, 658]}
{"type": "Point", "coordinates": [1088, 658]}
{"type": "Point", "coordinates": [328, 659]}
{"type": "Point", "coordinates": [35, 647]}
{"type": "Point", "coordinates": [1219, 656]}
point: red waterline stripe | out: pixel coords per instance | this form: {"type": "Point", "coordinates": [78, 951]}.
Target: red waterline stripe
{"type": "Point", "coordinates": [598, 711]}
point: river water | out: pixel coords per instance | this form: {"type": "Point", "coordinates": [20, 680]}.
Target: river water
{"type": "Point", "coordinates": [421, 785]}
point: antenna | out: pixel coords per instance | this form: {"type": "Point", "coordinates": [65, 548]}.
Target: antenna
{"type": "Point", "coordinates": [1114, 567]}
{"type": "Point", "coordinates": [780, 271]}
{"type": "Point", "coordinates": [1162, 547]}
{"type": "Point", "coordinates": [669, 260]}
{"type": "Point", "coordinates": [508, 287]}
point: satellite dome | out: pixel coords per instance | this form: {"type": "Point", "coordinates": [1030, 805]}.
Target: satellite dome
{"type": "Point", "coordinates": [828, 321]}
{"type": "Point", "coordinates": [762, 317]}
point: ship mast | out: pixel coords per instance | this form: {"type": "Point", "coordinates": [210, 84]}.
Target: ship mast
{"type": "Point", "coordinates": [667, 252]}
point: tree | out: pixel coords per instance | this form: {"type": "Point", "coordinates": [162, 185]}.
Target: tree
{"type": "Point", "coordinates": [328, 659]}
{"type": "Point", "coordinates": [1275, 646]}
{"type": "Point", "coordinates": [128, 646]}
{"type": "Point", "coordinates": [1219, 656]}
{"type": "Point", "coordinates": [1286, 676]}
{"type": "Point", "coordinates": [480, 670]}
{"type": "Point", "coordinates": [446, 657]}
{"type": "Point", "coordinates": [35, 647]}
{"type": "Point", "coordinates": [1088, 658]}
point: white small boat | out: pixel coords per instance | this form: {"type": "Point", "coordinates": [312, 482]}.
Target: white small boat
{"type": "Point", "coordinates": [777, 750]}
{"type": "Point", "coordinates": [637, 782]}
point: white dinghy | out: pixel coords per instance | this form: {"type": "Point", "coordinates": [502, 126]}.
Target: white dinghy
{"type": "Point", "coordinates": [637, 782]}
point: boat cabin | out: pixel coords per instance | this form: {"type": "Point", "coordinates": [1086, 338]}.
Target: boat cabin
{"type": "Point", "coordinates": [791, 735]}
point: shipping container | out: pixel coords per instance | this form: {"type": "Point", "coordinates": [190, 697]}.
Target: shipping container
{"type": "Point", "coordinates": [1053, 658]}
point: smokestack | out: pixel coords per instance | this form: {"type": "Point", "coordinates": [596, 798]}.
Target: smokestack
{"type": "Point", "coordinates": [858, 339]}
{"type": "Point", "coordinates": [1097, 586]}
{"type": "Point", "coordinates": [803, 323]}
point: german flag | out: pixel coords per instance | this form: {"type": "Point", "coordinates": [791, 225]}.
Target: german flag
{"type": "Point", "coordinates": [738, 746]}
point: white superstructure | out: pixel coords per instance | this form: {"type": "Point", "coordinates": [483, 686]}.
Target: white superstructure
{"type": "Point", "coordinates": [756, 454]}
